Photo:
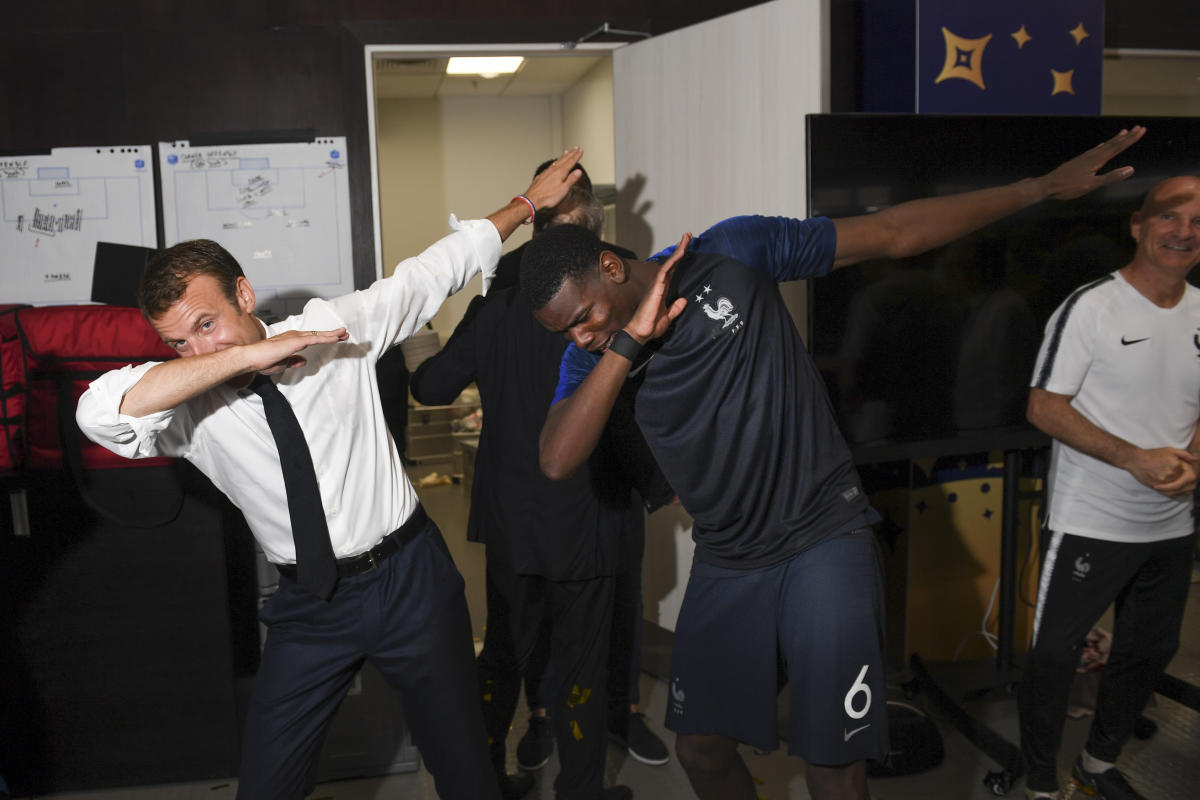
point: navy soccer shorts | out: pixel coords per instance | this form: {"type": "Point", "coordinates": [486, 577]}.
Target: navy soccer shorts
{"type": "Point", "coordinates": [819, 616]}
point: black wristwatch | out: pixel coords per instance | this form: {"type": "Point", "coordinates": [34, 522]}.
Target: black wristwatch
{"type": "Point", "coordinates": [625, 345]}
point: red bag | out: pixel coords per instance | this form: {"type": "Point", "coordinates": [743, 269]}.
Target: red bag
{"type": "Point", "coordinates": [48, 356]}
{"type": "Point", "coordinates": [12, 391]}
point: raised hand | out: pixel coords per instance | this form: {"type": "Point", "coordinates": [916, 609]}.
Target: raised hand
{"type": "Point", "coordinates": [552, 185]}
{"type": "Point", "coordinates": [653, 315]}
{"type": "Point", "coordinates": [1078, 176]}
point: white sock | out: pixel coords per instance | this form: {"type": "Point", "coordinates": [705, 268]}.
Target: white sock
{"type": "Point", "coordinates": [1094, 765]}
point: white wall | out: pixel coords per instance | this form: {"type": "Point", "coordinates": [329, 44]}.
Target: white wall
{"type": "Point", "coordinates": [588, 120]}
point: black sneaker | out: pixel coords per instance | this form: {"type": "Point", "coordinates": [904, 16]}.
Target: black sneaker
{"type": "Point", "coordinates": [514, 787]}
{"type": "Point", "coordinates": [1107, 785]}
{"type": "Point", "coordinates": [535, 747]}
{"type": "Point", "coordinates": [642, 743]}
{"type": "Point", "coordinates": [618, 793]}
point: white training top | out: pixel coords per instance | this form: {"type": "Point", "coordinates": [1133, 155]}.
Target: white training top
{"type": "Point", "coordinates": [1133, 369]}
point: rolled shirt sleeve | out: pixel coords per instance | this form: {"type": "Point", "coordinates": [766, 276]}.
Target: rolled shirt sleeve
{"type": "Point", "coordinates": [99, 417]}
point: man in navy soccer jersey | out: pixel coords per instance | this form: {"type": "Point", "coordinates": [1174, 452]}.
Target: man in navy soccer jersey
{"type": "Point", "coordinates": [735, 413]}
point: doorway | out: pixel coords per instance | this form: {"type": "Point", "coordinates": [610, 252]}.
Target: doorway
{"type": "Point", "coordinates": [465, 144]}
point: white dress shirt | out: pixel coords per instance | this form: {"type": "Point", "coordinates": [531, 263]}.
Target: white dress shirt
{"type": "Point", "coordinates": [335, 395]}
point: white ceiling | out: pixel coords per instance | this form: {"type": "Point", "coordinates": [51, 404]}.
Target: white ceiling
{"type": "Point", "coordinates": [426, 77]}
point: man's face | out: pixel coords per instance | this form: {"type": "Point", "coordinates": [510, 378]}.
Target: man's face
{"type": "Point", "coordinates": [203, 320]}
{"type": "Point", "coordinates": [1167, 228]}
{"type": "Point", "coordinates": [589, 313]}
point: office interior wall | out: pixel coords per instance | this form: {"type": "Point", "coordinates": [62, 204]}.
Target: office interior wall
{"type": "Point", "coordinates": [469, 155]}
{"type": "Point", "coordinates": [463, 155]}
{"type": "Point", "coordinates": [1152, 84]}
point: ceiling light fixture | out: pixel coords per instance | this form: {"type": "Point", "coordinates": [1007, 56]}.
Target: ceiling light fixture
{"type": "Point", "coordinates": [485, 66]}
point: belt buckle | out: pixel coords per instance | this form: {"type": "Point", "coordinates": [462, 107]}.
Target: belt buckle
{"type": "Point", "coordinates": [371, 562]}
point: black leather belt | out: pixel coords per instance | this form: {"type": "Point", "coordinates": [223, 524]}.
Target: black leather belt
{"type": "Point", "coordinates": [369, 560]}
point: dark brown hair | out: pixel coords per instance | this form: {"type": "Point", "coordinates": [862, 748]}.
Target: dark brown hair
{"type": "Point", "coordinates": [168, 272]}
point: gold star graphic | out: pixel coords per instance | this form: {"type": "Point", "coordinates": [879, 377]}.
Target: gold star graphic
{"type": "Point", "coordinates": [964, 58]}
{"type": "Point", "coordinates": [1062, 82]}
{"type": "Point", "coordinates": [1078, 34]}
{"type": "Point", "coordinates": [1022, 36]}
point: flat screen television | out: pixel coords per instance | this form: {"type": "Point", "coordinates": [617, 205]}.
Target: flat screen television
{"type": "Point", "coordinates": [941, 346]}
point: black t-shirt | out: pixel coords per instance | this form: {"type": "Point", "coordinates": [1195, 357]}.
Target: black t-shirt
{"type": "Point", "coordinates": [587, 525]}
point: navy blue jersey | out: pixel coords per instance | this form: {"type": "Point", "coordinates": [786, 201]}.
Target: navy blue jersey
{"type": "Point", "coordinates": [733, 407]}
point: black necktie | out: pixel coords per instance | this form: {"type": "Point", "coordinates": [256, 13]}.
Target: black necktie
{"type": "Point", "coordinates": [316, 568]}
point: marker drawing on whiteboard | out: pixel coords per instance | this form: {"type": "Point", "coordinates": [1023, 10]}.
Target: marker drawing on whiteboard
{"type": "Point", "coordinates": [262, 254]}
{"type": "Point", "coordinates": [53, 224]}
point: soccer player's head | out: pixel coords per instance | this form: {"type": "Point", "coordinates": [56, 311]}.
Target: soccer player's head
{"type": "Point", "coordinates": [576, 287]}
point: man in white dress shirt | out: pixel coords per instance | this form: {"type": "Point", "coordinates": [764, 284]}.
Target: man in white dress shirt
{"type": "Point", "coordinates": [398, 598]}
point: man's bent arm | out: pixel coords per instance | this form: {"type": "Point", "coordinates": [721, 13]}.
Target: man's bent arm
{"type": "Point", "coordinates": [170, 383]}
{"type": "Point", "coordinates": [439, 379]}
{"type": "Point", "coordinates": [1054, 415]}
{"type": "Point", "coordinates": [574, 424]}
{"type": "Point", "coordinates": [919, 225]}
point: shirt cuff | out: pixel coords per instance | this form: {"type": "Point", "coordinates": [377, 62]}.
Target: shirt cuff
{"type": "Point", "coordinates": [489, 247]}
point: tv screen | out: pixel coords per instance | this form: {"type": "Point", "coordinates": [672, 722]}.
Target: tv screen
{"type": "Point", "coordinates": [942, 345]}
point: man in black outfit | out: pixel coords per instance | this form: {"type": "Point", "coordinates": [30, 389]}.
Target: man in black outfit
{"type": "Point", "coordinates": [560, 545]}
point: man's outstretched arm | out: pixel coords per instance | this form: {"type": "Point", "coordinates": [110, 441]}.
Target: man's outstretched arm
{"type": "Point", "coordinates": [919, 225]}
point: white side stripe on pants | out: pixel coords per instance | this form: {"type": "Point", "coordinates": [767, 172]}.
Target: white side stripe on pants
{"type": "Point", "coordinates": [1044, 583]}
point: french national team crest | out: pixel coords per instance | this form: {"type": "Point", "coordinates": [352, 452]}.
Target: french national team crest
{"type": "Point", "coordinates": [719, 309]}
{"type": "Point", "coordinates": [1014, 57]}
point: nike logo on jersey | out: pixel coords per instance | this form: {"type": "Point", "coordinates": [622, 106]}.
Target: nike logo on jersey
{"type": "Point", "coordinates": [1127, 342]}
{"type": "Point", "coordinates": [846, 735]}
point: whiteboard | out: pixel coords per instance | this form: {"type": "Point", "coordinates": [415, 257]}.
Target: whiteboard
{"type": "Point", "coordinates": [54, 208]}
{"type": "Point", "coordinates": [282, 210]}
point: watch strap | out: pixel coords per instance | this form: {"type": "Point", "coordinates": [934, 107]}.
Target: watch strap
{"type": "Point", "coordinates": [625, 345]}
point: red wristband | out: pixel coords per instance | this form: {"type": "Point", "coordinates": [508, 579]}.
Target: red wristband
{"type": "Point", "coordinates": [532, 209]}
